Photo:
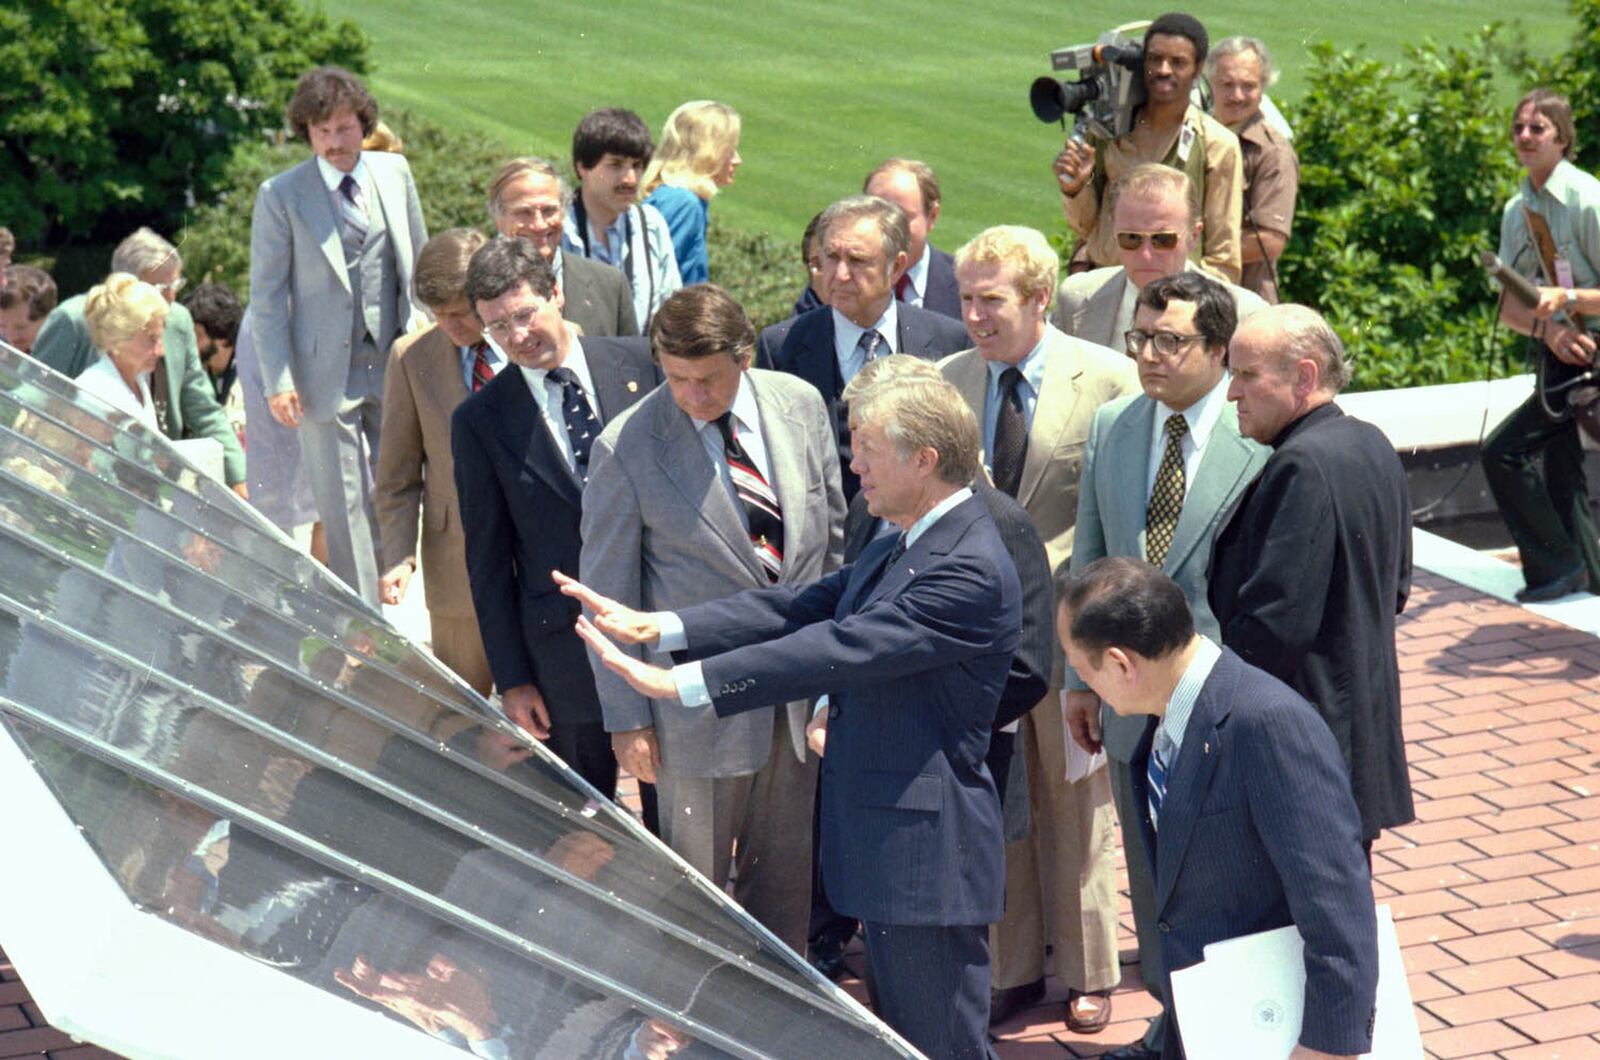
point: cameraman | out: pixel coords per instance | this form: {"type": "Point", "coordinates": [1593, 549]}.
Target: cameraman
{"type": "Point", "coordinates": [1170, 130]}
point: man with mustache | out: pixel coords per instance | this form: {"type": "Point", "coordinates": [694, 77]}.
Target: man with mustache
{"type": "Point", "coordinates": [1168, 129]}
{"type": "Point", "coordinates": [610, 149]}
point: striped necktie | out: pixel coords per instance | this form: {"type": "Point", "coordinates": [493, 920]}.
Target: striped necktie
{"type": "Point", "coordinates": [1156, 772]}
{"type": "Point", "coordinates": [482, 372]}
{"type": "Point", "coordinates": [761, 509]}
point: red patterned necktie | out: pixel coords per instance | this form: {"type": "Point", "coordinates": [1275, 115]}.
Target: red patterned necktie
{"type": "Point", "coordinates": [760, 503]}
{"type": "Point", "coordinates": [902, 287]}
{"type": "Point", "coordinates": [481, 372]}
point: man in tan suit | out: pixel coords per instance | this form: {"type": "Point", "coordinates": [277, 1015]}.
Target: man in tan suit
{"type": "Point", "coordinates": [1035, 391]}
{"type": "Point", "coordinates": [1156, 231]}
{"type": "Point", "coordinates": [429, 374]}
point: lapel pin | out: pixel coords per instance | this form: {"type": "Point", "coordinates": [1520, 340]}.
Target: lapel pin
{"type": "Point", "coordinates": [1205, 748]}
{"type": "Point", "coordinates": [633, 387]}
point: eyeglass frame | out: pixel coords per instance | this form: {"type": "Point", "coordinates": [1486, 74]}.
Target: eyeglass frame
{"type": "Point", "coordinates": [1135, 346]}
{"type": "Point", "coordinates": [502, 330]}
{"type": "Point", "coordinates": [1155, 239]}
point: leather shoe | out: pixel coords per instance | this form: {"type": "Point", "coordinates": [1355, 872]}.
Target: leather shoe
{"type": "Point", "coordinates": [1132, 1051]}
{"type": "Point", "coordinates": [1003, 1004]}
{"type": "Point", "coordinates": [830, 962]}
{"type": "Point", "coordinates": [1098, 1014]}
{"type": "Point", "coordinates": [1570, 582]}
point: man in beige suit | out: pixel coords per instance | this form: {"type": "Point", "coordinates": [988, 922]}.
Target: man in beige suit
{"type": "Point", "coordinates": [1156, 231]}
{"type": "Point", "coordinates": [1035, 391]}
{"type": "Point", "coordinates": [429, 374]}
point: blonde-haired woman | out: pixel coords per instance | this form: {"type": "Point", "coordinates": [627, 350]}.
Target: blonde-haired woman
{"type": "Point", "coordinates": [698, 154]}
{"type": "Point", "coordinates": [125, 317]}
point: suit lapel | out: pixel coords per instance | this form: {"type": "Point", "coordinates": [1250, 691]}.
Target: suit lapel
{"type": "Point", "coordinates": [1191, 777]}
{"type": "Point", "coordinates": [1131, 435]}
{"type": "Point", "coordinates": [439, 371]}
{"type": "Point", "coordinates": [1100, 314]}
{"type": "Point", "coordinates": [969, 374]}
{"type": "Point", "coordinates": [316, 209]}
{"type": "Point", "coordinates": [522, 428]}
{"type": "Point", "coordinates": [815, 360]}
{"type": "Point", "coordinates": [1221, 468]}
{"type": "Point", "coordinates": [1058, 402]}
{"type": "Point", "coordinates": [936, 540]}
{"type": "Point", "coordinates": [911, 340]}
{"type": "Point", "coordinates": [616, 385]}
{"type": "Point", "coordinates": [686, 464]}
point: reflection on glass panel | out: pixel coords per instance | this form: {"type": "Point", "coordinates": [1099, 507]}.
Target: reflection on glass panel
{"type": "Point", "coordinates": [270, 766]}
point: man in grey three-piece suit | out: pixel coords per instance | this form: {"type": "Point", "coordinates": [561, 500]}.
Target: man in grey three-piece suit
{"type": "Point", "coordinates": [332, 244]}
{"type": "Point", "coordinates": [1158, 492]}
{"type": "Point", "coordinates": [725, 479]}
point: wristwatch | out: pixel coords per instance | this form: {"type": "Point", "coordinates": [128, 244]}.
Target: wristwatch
{"type": "Point", "coordinates": [1572, 299]}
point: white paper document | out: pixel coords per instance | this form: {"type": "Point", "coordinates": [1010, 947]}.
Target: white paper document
{"type": "Point", "coordinates": [1080, 763]}
{"type": "Point", "coordinates": [1246, 997]}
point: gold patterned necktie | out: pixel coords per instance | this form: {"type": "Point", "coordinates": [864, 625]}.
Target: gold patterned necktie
{"type": "Point", "coordinates": [1166, 500]}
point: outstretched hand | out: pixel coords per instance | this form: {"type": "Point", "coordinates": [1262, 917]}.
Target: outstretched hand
{"type": "Point", "coordinates": [655, 682]}
{"type": "Point", "coordinates": [620, 622]}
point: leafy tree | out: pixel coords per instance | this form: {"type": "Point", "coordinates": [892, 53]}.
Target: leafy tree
{"type": "Point", "coordinates": [120, 112]}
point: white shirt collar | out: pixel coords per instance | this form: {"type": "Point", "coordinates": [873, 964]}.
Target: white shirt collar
{"type": "Point", "coordinates": [918, 272]}
{"type": "Point", "coordinates": [1031, 366]}
{"type": "Point", "coordinates": [575, 360]}
{"type": "Point", "coordinates": [846, 332]}
{"type": "Point", "coordinates": [744, 409]}
{"type": "Point", "coordinates": [1202, 415]}
{"type": "Point", "coordinates": [332, 176]}
{"type": "Point", "coordinates": [934, 514]}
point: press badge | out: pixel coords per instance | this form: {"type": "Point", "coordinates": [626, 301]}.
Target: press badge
{"type": "Point", "coordinates": [1186, 141]}
{"type": "Point", "coordinates": [1564, 273]}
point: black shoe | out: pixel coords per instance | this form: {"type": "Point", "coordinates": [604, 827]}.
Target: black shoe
{"type": "Point", "coordinates": [1003, 1004]}
{"type": "Point", "coordinates": [1570, 582]}
{"type": "Point", "coordinates": [1132, 1051]}
{"type": "Point", "coordinates": [830, 962]}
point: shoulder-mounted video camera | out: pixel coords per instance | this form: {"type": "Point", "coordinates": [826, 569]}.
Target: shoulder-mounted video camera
{"type": "Point", "coordinates": [1109, 88]}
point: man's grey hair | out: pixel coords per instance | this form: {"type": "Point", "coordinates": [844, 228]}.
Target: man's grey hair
{"type": "Point", "coordinates": [925, 414]}
{"type": "Point", "coordinates": [520, 167]}
{"type": "Point", "coordinates": [1238, 46]}
{"type": "Point", "coordinates": [143, 252]}
{"type": "Point", "coordinates": [895, 368]}
{"type": "Point", "coordinates": [1307, 335]}
{"type": "Point", "coordinates": [890, 219]}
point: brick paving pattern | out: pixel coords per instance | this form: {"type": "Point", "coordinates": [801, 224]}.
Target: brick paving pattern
{"type": "Point", "coordinates": [1495, 888]}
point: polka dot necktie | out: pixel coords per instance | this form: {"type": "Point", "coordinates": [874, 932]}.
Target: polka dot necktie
{"type": "Point", "coordinates": [1166, 500]}
{"type": "Point", "coordinates": [582, 424]}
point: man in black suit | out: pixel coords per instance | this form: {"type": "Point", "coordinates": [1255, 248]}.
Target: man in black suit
{"type": "Point", "coordinates": [1309, 571]}
{"type": "Point", "coordinates": [770, 341]}
{"type": "Point", "coordinates": [1245, 809]}
{"type": "Point", "coordinates": [528, 198]}
{"type": "Point", "coordinates": [521, 447]}
{"type": "Point", "coordinates": [929, 281]}
{"type": "Point", "coordinates": [865, 250]}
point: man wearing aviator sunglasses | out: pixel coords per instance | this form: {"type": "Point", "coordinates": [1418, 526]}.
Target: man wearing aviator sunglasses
{"type": "Point", "coordinates": [1534, 465]}
{"type": "Point", "coordinates": [1156, 231]}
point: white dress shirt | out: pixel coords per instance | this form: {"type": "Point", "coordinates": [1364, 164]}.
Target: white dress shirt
{"type": "Point", "coordinates": [547, 394]}
{"type": "Point", "coordinates": [1202, 417]}
{"type": "Point", "coordinates": [847, 334]}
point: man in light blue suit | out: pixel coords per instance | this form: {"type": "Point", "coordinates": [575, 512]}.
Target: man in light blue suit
{"type": "Point", "coordinates": [332, 245]}
{"type": "Point", "coordinates": [1137, 500]}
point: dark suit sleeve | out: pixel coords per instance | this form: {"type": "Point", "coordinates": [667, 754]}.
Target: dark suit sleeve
{"type": "Point", "coordinates": [1029, 678]}
{"type": "Point", "coordinates": [758, 614]}
{"type": "Point", "coordinates": [1301, 804]}
{"type": "Point", "coordinates": [948, 613]}
{"type": "Point", "coordinates": [1280, 604]}
{"type": "Point", "coordinates": [491, 545]}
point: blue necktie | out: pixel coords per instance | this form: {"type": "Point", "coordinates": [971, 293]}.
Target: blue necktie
{"type": "Point", "coordinates": [1156, 771]}
{"type": "Point", "coordinates": [582, 424]}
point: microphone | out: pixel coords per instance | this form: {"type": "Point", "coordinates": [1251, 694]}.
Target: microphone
{"type": "Point", "coordinates": [1516, 285]}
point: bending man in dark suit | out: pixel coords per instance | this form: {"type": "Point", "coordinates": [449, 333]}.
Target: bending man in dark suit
{"type": "Point", "coordinates": [1312, 566]}
{"type": "Point", "coordinates": [912, 643]}
{"type": "Point", "coordinates": [1244, 804]}
{"type": "Point", "coordinates": [521, 447]}
{"type": "Point", "coordinates": [1158, 492]}
{"type": "Point", "coordinates": [864, 253]}
{"type": "Point", "coordinates": [528, 199]}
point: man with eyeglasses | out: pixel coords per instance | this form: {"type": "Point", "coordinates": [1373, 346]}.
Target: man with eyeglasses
{"type": "Point", "coordinates": [1035, 392]}
{"type": "Point", "coordinates": [521, 446]}
{"type": "Point", "coordinates": [1535, 465]}
{"type": "Point", "coordinates": [1159, 470]}
{"type": "Point", "coordinates": [1314, 562]}
{"type": "Point", "coordinates": [185, 401]}
{"type": "Point", "coordinates": [1156, 230]}
{"type": "Point", "coordinates": [529, 198]}
{"type": "Point", "coordinates": [1169, 130]}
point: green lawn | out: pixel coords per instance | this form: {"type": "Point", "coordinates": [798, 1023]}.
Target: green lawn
{"type": "Point", "coordinates": [828, 88]}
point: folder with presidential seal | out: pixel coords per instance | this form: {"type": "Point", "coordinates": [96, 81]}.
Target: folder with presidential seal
{"type": "Point", "coordinates": [1245, 999]}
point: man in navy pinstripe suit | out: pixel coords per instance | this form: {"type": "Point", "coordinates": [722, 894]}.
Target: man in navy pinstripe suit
{"type": "Point", "coordinates": [1247, 810]}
